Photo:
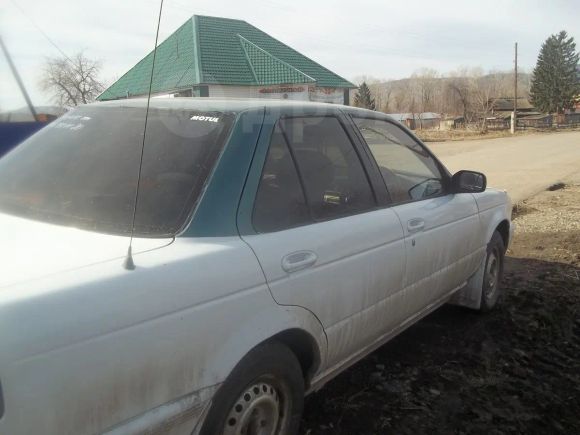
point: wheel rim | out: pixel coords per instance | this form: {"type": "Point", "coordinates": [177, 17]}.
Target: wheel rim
{"type": "Point", "coordinates": [260, 410]}
{"type": "Point", "coordinates": [492, 272]}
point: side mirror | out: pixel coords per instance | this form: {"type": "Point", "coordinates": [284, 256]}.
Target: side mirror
{"type": "Point", "coordinates": [468, 182]}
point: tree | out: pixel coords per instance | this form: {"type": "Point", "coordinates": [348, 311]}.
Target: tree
{"type": "Point", "coordinates": [384, 93]}
{"type": "Point", "coordinates": [458, 92]}
{"type": "Point", "coordinates": [484, 89]}
{"type": "Point", "coordinates": [555, 82]}
{"type": "Point", "coordinates": [424, 85]}
{"type": "Point", "coordinates": [401, 94]}
{"type": "Point", "coordinates": [363, 97]}
{"type": "Point", "coordinates": [72, 81]}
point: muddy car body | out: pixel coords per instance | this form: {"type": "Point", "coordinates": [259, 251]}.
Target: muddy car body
{"type": "Point", "coordinates": [275, 244]}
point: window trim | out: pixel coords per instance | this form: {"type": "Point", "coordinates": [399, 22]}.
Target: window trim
{"type": "Point", "coordinates": [445, 174]}
{"type": "Point", "coordinates": [355, 145]}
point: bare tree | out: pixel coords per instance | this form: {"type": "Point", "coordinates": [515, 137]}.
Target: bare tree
{"type": "Point", "coordinates": [386, 93]}
{"type": "Point", "coordinates": [459, 93]}
{"type": "Point", "coordinates": [484, 89]}
{"type": "Point", "coordinates": [382, 92]}
{"type": "Point", "coordinates": [401, 95]}
{"type": "Point", "coordinates": [72, 81]}
{"type": "Point", "coordinates": [469, 92]}
{"type": "Point", "coordinates": [424, 84]}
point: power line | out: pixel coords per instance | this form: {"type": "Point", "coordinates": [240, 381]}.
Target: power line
{"type": "Point", "coordinates": [41, 31]}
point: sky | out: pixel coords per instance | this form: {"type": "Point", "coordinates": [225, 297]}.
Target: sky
{"type": "Point", "coordinates": [383, 39]}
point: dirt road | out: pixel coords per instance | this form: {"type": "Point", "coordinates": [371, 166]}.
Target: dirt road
{"type": "Point", "coordinates": [523, 165]}
{"type": "Point", "coordinates": [515, 370]}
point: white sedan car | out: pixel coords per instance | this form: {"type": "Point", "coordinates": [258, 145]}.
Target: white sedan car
{"type": "Point", "coordinates": [275, 244]}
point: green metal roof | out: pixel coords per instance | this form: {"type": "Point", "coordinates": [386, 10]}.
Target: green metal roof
{"type": "Point", "coordinates": [268, 69]}
{"type": "Point", "coordinates": [212, 50]}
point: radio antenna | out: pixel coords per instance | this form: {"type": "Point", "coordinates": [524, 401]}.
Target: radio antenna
{"type": "Point", "coordinates": [129, 264]}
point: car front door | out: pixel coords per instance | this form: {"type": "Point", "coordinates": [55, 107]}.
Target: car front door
{"type": "Point", "coordinates": [441, 229]}
{"type": "Point", "coordinates": [311, 216]}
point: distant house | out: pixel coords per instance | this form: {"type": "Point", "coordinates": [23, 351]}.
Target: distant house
{"type": "Point", "coordinates": [227, 58]}
{"type": "Point", "coordinates": [452, 122]}
{"type": "Point", "coordinates": [425, 120]}
{"type": "Point", "coordinates": [499, 105]}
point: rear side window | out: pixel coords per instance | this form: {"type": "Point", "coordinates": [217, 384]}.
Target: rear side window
{"type": "Point", "coordinates": [81, 170]}
{"type": "Point", "coordinates": [334, 179]}
{"type": "Point", "coordinates": [409, 171]}
{"type": "Point", "coordinates": [280, 201]}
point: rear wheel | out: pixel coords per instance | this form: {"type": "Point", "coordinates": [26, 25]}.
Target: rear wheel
{"type": "Point", "coordinates": [264, 395]}
{"type": "Point", "coordinates": [491, 289]}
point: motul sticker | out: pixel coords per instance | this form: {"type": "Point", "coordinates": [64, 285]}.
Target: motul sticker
{"type": "Point", "coordinates": [204, 118]}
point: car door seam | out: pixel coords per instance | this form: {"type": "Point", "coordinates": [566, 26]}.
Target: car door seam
{"type": "Point", "coordinates": [249, 246]}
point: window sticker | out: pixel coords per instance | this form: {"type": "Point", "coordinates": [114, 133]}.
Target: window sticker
{"type": "Point", "coordinates": [204, 118]}
{"type": "Point", "coordinates": [70, 122]}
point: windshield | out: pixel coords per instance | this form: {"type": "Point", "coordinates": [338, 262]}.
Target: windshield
{"type": "Point", "coordinates": [81, 170]}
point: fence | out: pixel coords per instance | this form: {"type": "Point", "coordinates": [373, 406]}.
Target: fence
{"type": "Point", "coordinates": [540, 121]}
{"type": "Point", "coordinates": [570, 120]}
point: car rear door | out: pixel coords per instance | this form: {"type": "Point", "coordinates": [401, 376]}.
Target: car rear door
{"type": "Point", "coordinates": [441, 229]}
{"type": "Point", "coordinates": [310, 214]}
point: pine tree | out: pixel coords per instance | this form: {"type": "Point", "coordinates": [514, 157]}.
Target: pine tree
{"type": "Point", "coordinates": [363, 97]}
{"type": "Point", "coordinates": [555, 81]}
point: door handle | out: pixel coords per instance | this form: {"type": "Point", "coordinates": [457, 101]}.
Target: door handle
{"type": "Point", "coordinates": [298, 261]}
{"type": "Point", "coordinates": [415, 225]}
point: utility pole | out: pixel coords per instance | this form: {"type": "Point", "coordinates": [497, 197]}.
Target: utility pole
{"type": "Point", "coordinates": [515, 113]}
{"type": "Point", "coordinates": [18, 80]}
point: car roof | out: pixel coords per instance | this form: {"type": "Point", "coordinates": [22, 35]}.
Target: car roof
{"type": "Point", "coordinates": [226, 105]}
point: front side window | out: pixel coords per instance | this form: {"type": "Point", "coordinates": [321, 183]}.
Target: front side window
{"type": "Point", "coordinates": [334, 179]}
{"type": "Point", "coordinates": [408, 170]}
{"type": "Point", "coordinates": [81, 170]}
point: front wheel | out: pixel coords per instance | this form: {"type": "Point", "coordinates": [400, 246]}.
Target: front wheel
{"type": "Point", "coordinates": [264, 395]}
{"type": "Point", "coordinates": [491, 288]}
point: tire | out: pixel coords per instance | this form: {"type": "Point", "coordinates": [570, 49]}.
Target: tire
{"type": "Point", "coordinates": [491, 290]}
{"type": "Point", "coordinates": [264, 395]}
